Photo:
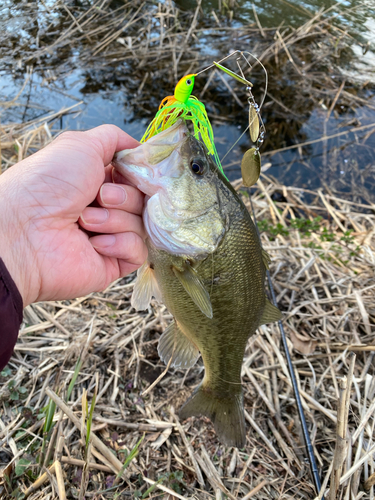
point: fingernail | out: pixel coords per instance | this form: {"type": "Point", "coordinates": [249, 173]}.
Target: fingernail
{"type": "Point", "coordinates": [103, 241]}
{"type": "Point", "coordinates": [93, 215]}
{"type": "Point", "coordinates": [112, 194]}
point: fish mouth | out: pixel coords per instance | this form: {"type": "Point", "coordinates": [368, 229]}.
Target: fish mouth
{"type": "Point", "coordinates": [148, 165]}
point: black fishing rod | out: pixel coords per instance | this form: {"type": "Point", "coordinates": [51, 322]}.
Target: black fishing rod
{"type": "Point", "coordinates": [306, 434]}
{"type": "Point", "coordinates": [251, 168]}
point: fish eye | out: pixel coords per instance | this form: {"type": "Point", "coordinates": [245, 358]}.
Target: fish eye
{"type": "Point", "coordinates": [188, 82]}
{"type": "Point", "coordinates": [197, 167]}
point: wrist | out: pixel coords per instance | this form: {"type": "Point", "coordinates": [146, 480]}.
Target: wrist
{"type": "Point", "coordinates": [14, 247]}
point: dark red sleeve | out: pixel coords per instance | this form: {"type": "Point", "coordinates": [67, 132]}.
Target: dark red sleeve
{"type": "Point", "coordinates": [10, 314]}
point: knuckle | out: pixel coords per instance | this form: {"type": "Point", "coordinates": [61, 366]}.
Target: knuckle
{"type": "Point", "coordinates": [133, 243]}
{"type": "Point", "coordinates": [136, 248]}
{"type": "Point", "coordinates": [68, 135]}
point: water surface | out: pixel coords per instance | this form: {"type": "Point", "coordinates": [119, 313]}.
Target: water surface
{"type": "Point", "coordinates": [124, 82]}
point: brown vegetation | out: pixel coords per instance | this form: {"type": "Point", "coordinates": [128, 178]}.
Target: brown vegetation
{"type": "Point", "coordinates": [86, 362]}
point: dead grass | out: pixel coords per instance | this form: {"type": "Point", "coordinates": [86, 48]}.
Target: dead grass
{"type": "Point", "coordinates": [101, 352]}
{"type": "Point", "coordinates": [138, 51]}
{"type": "Point", "coordinates": [323, 258]}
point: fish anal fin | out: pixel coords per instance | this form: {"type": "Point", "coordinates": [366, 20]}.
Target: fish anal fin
{"type": "Point", "coordinates": [189, 279]}
{"type": "Point", "coordinates": [270, 314]}
{"type": "Point", "coordinates": [266, 259]}
{"type": "Point", "coordinates": [226, 414]}
{"type": "Point", "coordinates": [145, 288]}
{"type": "Point", "coordinates": [174, 343]}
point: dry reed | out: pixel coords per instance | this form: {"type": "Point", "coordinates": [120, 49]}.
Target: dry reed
{"type": "Point", "coordinates": [322, 247]}
{"type": "Point", "coordinates": [323, 257]}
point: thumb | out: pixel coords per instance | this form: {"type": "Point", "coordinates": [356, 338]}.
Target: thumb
{"type": "Point", "coordinates": [108, 139]}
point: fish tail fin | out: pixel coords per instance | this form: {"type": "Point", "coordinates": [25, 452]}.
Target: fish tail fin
{"type": "Point", "coordinates": [226, 414]}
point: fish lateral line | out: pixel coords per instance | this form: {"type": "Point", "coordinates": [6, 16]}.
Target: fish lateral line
{"type": "Point", "coordinates": [178, 235]}
{"type": "Point", "coordinates": [228, 382]}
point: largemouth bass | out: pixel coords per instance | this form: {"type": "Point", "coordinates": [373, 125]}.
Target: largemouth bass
{"type": "Point", "coordinates": [206, 264]}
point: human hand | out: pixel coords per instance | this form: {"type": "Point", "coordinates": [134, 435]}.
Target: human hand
{"type": "Point", "coordinates": [44, 204]}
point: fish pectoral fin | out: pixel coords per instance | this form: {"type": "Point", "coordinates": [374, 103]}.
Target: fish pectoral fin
{"type": "Point", "coordinates": [266, 259]}
{"type": "Point", "coordinates": [189, 279]}
{"type": "Point", "coordinates": [145, 288]}
{"type": "Point", "coordinates": [174, 344]}
{"type": "Point", "coordinates": [270, 314]}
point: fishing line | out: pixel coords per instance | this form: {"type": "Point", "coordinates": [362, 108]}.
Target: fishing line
{"type": "Point", "coordinates": [220, 61]}
{"type": "Point", "coordinates": [235, 143]}
{"type": "Point", "coordinates": [242, 56]}
{"type": "Point", "coordinates": [305, 430]}
{"type": "Point", "coordinates": [257, 133]}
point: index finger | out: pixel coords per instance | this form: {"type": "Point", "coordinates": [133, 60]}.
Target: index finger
{"type": "Point", "coordinates": [121, 197]}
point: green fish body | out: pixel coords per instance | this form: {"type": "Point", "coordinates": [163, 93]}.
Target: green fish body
{"type": "Point", "coordinates": [206, 264]}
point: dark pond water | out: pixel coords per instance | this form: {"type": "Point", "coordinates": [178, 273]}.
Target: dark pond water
{"type": "Point", "coordinates": [115, 61]}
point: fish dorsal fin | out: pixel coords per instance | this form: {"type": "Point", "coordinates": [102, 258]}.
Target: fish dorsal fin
{"type": "Point", "coordinates": [145, 288]}
{"type": "Point", "coordinates": [266, 259]}
{"type": "Point", "coordinates": [189, 279]}
{"type": "Point", "coordinates": [174, 343]}
{"type": "Point", "coordinates": [270, 314]}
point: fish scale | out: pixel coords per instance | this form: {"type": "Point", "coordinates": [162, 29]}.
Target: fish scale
{"type": "Point", "coordinates": [216, 297]}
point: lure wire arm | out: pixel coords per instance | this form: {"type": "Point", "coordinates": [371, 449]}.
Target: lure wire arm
{"type": "Point", "coordinates": [252, 102]}
{"type": "Point", "coordinates": [250, 99]}
{"type": "Point", "coordinates": [241, 55]}
{"type": "Point", "coordinates": [305, 430]}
